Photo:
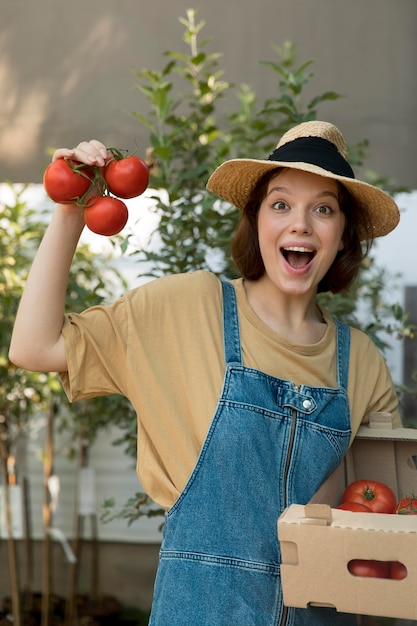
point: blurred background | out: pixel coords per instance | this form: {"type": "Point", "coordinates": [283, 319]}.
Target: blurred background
{"type": "Point", "coordinates": [67, 73]}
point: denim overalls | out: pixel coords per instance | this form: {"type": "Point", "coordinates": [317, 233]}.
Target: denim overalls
{"type": "Point", "coordinates": [270, 444]}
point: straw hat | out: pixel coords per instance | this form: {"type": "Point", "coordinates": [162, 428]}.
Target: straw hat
{"type": "Point", "coordinates": [316, 147]}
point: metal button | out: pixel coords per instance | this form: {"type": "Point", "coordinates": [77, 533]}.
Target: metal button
{"type": "Point", "coordinates": [307, 404]}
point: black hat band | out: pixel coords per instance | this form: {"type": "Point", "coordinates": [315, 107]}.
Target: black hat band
{"type": "Point", "coordinates": [314, 150]}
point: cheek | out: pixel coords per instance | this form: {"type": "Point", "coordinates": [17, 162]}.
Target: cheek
{"type": "Point", "coordinates": [264, 230]}
{"type": "Point", "coordinates": [267, 224]}
{"type": "Point", "coordinates": [267, 240]}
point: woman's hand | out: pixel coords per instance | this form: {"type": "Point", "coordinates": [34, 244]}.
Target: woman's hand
{"type": "Point", "coordinates": [91, 152]}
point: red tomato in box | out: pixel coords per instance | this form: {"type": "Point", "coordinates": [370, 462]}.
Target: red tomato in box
{"type": "Point", "coordinates": [127, 177]}
{"type": "Point", "coordinates": [376, 495]}
{"type": "Point", "coordinates": [406, 506]}
{"type": "Point", "coordinates": [357, 507]}
{"type": "Point", "coordinates": [398, 571]}
{"type": "Point", "coordinates": [369, 568]}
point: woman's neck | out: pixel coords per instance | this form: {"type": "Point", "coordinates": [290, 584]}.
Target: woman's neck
{"type": "Point", "coordinates": [295, 317]}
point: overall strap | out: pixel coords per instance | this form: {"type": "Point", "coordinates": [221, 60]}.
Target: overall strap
{"type": "Point", "coordinates": [343, 353]}
{"type": "Point", "coordinates": [232, 349]}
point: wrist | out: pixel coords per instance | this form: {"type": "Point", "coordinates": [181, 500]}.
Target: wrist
{"type": "Point", "coordinates": [71, 216]}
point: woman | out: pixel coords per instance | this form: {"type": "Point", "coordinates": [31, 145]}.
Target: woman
{"type": "Point", "coordinates": [248, 394]}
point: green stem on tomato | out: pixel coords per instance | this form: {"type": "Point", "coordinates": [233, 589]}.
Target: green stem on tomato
{"type": "Point", "coordinates": [98, 182]}
{"type": "Point", "coordinates": [369, 494]}
{"type": "Point", "coordinates": [119, 155]}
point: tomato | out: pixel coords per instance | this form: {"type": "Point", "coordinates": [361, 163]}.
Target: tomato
{"type": "Point", "coordinates": [377, 496]}
{"type": "Point", "coordinates": [406, 506]}
{"type": "Point", "coordinates": [105, 215]}
{"type": "Point", "coordinates": [127, 177]}
{"type": "Point", "coordinates": [65, 180]}
{"type": "Point", "coordinates": [369, 568]}
{"type": "Point", "coordinates": [355, 506]}
{"type": "Point", "coordinates": [398, 571]}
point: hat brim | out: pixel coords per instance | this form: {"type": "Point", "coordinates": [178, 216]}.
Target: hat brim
{"type": "Point", "coordinates": [235, 180]}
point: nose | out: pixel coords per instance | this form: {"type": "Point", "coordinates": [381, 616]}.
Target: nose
{"type": "Point", "coordinates": [301, 220]}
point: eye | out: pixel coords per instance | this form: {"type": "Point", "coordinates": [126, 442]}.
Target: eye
{"type": "Point", "coordinates": [280, 205]}
{"type": "Point", "coordinates": [324, 209]}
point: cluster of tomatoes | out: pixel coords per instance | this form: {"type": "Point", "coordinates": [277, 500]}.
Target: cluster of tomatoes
{"type": "Point", "coordinates": [370, 496]}
{"type": "Point", "coordinates": [66, 181]}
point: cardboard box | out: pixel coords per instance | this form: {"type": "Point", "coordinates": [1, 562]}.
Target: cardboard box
{"type": "Point", "coordinates": [317, 541]}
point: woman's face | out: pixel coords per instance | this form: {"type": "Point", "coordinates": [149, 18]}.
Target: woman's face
{"type": "Point", "coordinates": [300, 229]}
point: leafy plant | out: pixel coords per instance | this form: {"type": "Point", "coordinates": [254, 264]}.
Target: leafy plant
{"type": "Point", "coordinates": [139, 505]}
{"type": "Point", "coordinates": [188, 142]}
{"type": "Point", "coordinates": [190, 137]}
{"type": "Point", "coordinates": [23, 392]}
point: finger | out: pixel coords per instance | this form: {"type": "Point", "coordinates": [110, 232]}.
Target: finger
{"type": "Point", "coordinates": [101, 149]}
{"type": "Point", "coordinates": [62, 153]}
{"type": "Point", "coordinates": [92, 152]}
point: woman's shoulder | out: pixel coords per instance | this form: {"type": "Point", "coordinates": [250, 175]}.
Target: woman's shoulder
{"type": "Point", "coordinates": [361, 342]}
{"type": "Point", "coordinates": [181, 287]}
{"type": "Point", "coordinates": [365, 349]}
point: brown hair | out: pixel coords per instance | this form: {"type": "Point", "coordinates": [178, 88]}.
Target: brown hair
{"type": "Point", "coordinates": [247, 255]}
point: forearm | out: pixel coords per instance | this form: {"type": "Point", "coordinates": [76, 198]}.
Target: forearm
{"type": "Point", "coordinates": [37, 342]}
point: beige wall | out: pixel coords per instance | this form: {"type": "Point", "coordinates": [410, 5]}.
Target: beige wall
{"type": "Point", "coordinates": [65, 69]}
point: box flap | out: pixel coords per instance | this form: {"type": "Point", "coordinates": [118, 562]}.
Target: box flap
{"type": "Point", "coordinates": [381, 429]}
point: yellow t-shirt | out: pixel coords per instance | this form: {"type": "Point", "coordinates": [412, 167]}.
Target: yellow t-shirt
{"type": "Point", "coordinates": [161, 346]}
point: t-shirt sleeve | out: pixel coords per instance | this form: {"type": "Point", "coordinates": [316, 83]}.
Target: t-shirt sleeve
{"type": "Point", "coordinates": [95, 343]}
{"type": "Point", "coordinates": [137, 343]}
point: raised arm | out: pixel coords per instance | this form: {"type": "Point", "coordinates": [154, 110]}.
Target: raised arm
{"type": "Point", "coordinates": [37, 342]}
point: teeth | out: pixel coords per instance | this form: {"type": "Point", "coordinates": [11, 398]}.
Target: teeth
{"type": "Point", "coordinates": [297, 249]}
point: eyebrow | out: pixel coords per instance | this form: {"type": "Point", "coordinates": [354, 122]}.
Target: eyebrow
{"type": "Point", "coordinates": [322, 194]}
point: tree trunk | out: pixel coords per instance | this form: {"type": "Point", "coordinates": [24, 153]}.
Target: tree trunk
{"type": "Point", "coordinates": [11, 546]}
{"type": "Point", "coordinates": [47, 560]}
{"type": "Point", "coordinates": [28, 550]}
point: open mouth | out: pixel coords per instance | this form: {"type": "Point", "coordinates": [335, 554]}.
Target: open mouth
{"type": "Point", "coordinates": [298, 257]}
